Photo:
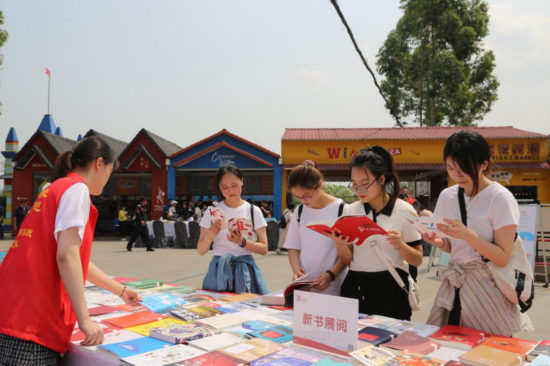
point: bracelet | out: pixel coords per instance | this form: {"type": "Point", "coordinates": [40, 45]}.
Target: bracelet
{"type": "Point", "coordinates": [244, 243]}
{"type": "Point", "coordinates": [123, 291]}
{"type": "Point", "coordinates": [331, 274]}
{"type": "Point", "coordinates": [443, 246]}
{"type": "Point", "coordinates": [207, 238]}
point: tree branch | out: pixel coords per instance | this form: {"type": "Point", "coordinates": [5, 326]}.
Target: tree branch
{"type": "Point", "coordinates": [343, 19]}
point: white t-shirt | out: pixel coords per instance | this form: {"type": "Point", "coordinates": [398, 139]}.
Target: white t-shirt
{"type": "Point", "coordinates": [73, 210]}
{"type": "Point", "coordinates": [365, 258]}
{"type": "Point", "coordinates": [490, 210]}
{"type": "Point", "coordinates": [222, 246]}
{"type": "Point", "coordinates": [317, 252]}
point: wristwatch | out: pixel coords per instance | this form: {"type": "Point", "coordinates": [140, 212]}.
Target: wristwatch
{"type": "Point", "coordinates": [331, 274]}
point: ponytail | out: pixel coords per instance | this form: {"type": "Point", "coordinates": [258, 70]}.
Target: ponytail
{"type": "Point", "coordinates": [305, 175]}
{"type": "Point", "coordinates": [380, 162]}
{"type": "Point", "coordinates": [82, 154]}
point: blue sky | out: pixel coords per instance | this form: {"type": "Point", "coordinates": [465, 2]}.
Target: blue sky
{"type": "Point", "coordinates": [185, 70]}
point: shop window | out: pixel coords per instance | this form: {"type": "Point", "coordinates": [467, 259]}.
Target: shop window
{"type": "Point", "coordinates": [524, 192]}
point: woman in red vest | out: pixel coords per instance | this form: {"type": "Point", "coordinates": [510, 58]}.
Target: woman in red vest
{"type": "Point", "coordinates": [42, 277]}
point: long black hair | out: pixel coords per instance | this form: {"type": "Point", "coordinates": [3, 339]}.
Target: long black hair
{"type": "Point", "coordinates": [469, 150]}
{"type": "Point", "coordinates": [380, 162]}
{"type": "Point", "coordinates": [83, 153]}
{"type": "Point", "coordinates": [226, 169]}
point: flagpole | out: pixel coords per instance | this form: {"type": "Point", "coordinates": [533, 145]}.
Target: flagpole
{"type": "Point", "coordinates": [49, 77]}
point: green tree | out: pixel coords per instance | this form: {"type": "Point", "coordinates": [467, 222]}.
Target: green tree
{"type": "Point", "coordinates": [3, 39]}
{"type": "Point", "coordinates": [340, 191]}
{"type": "Point", "coordinates": [435, 67]}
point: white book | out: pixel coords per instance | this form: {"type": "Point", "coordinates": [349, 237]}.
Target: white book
{"type": "Point", "coordinates": [223, 321]}
{"type": "Point", "coordinates": [216, 342]}
{"type": "Point", "coordinates": [163, 356]}
{"type": "Point", "coordinates": [276, 321]}
{"type": "Point", "coordinates": [121, 335]}
{"type": "Point", "coordinates": [447, 354]}
{"type": "Point", "coordinates": [103, 317]}
{"type": "Point", "coordinates": [426, 225]}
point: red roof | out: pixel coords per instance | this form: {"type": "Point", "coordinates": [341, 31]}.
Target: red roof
{"type": "Point", "coordinates": [404, 133]}
{"type": "Point", "coordinates": [431, 166]}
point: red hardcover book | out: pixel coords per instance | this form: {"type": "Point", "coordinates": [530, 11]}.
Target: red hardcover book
{"type": "Point", "coordinates": [411, 342]}
{"type": "Point", "coordinates": [133, 320]}
{"type": "Point", "coordinates": [357, 227]}
{"type": "Point", "coordinates": [124, 279]}
{"type": "Point", "coordinates": [101, 310]}
{"type": "Point", "coordinates": [459, 337]}
{"type": "Point", "coordinates": [515, 345]}
{"type": "Point", "coordinates": [129, 308]}
{"type": "Point", "coordinates": [213, 358]}
{"type": "Point", "coordinates": [79, 336]}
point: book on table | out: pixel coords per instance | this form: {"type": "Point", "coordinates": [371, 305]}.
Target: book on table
{"type": "Point", "coordinates": [134, 347]}
{"type": "Point", "coordinates": [182, 333]}
{"type": "Point", "coordinates": [357, 227]}
{"type": "Point", "coordinates": [415, 359]}
{"type": "Point", "coordinates": [223, 321]}
{"type": "Point", "coordinates": [411, 342]}
{"type": "Point", "coordinates": [540, 360]}
{"type": "Point", "coordinates": [542, 348]}
{"type": "Point", "coordinates": [216, 342]}
{"type": "Point", "coordinates": [458, 337]}
{"type": "Point", "coordinates": [162, 356]}
{"type": "Point", "coordinates": [132, 320]}
{"type": "Point", "coordinates": [288, 356]}
{"type": "Point", "coordinates": [162, 302]}
{"type": "Point", "coordinates": [143, 284]}
{"type": "Point", "coordinates": [514, 345]}
{"type": "Point", "coordinates": [179, 290]}
{"type": "Point", "coordinates": [489, 356]}
{"type": "Point", "coordinates": [375, 336]}
{"type": "Point", "coordinates": [213, 358]}
{"type": "Point", "coordinates": [244, 297]}
{"type": "Point", "coordinates": [252, 349]}
{"type": "Point", "coordinates": [277, 334]}
{"type": "Point", "coordinates": [286, 297]}
{"type": "Point", "coordinates": [145, 328]}
{"type": "Point", "coordinates": [249, 327]}
{"type": "Point", "coordinates": [372, 356]}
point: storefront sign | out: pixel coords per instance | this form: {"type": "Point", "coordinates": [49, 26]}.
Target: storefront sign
{"type": "Point", "coordinates": [501, 176]}
{"type": "Point", "coordinates": [127, 186]}
{"type": "Point", "coordinates": [527, 230]}
{"type": "Point", "coordinates": [515, 151]}
{"type": "Point", "coordinates": [222, 159]}
{"type": "Point", "coordinates": [326, 321]}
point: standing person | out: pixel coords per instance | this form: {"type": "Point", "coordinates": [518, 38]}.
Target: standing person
{"type": "Point", "coordinates": [199, 210]}
{"type": "Point", "coordinates": [468, 295]}
{"type": "Point", "coordinates": [265, 209]}
{"type": "Point", "coordinates": [20, 213]}
{"type": "Point", "coordinates": [51, 256]}
{"type": "Point", "coordinates": [375, 182]}
{"type": "Point", "coordinates": [308, 251]}
{"type": "Point", "coordinates": [140, 227]}
{"type": "Point", "coordinates": [233, 268]}
{"type": "Point", "coordinates": [407, 193]}
{"type": "Point", "coordinates": [284, 224]}
{"type": "Point", "coordinates": [2, 215]}
{"type": "Point", "coordinates": [123, 222]}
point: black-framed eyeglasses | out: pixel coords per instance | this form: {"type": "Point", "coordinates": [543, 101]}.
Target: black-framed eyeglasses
{"type": "Point", "coordinates": [356, 189]}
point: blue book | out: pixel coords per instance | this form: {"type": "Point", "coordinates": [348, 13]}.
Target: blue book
{"type": "Point", "coordinates": [162, 302]}
{"type": "Point", "coordinates": [135, 346]}
{"type": "Point", "coordinates": [249, 327]}
{"type": "Point", "coordinates": [277, 334]}
{"type": "Point", "coordinates": [541, 360]}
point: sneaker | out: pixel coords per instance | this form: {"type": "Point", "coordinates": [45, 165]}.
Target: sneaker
{"type": "Point", "coordinates": [150, 250]}
{"type": "Point", "coordinates": [278, 251]}
{"type": "Point", "coordinates": [129, 249]}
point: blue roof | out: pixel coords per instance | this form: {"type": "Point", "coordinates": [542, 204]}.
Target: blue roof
{"type": "Point", "coordinates": [12, 135]}
{"type": "Point", "coordinates": [58, 131]}
{"type": "Point", "coordinates": [47, 124]}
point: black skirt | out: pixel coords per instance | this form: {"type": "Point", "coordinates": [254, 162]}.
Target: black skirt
{"type": "Point", "coordinates": [378, 293]}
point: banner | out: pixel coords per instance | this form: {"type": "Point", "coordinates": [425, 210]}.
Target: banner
{"type": "Point", "coordinates": [527, 230]}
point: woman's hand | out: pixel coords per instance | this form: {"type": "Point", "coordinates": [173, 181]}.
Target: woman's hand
{"type": "Point", "coordinates": [455, 229]}
{"type": "Point", "coordinates": [214, 230]}
{"type": "Point", "coordinates": [298, 274]}
{"type": "Point", "coordinates": [93, 332]}
{"type": "Point", "coordinates": [323, 282]}
{"type": "Point", "coordinates": [339, 240]}
{"type": "Point", "coordinates": [395, 239]}
{"type": "Point", "coordinates": [131, 297]}
{"type": "Point", "coordinates": [235, 237]}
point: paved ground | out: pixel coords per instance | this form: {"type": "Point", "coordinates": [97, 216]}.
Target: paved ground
{"type": "Point", "coordinates": [186, 267]}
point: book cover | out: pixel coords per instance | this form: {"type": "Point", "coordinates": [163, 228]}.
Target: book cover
{"type": "Point", "coordinates": [217, 214]}
{"type": "Point", "coordinates": [101, 310]}
{"type": "Point", "coordinates": [213, 358]}
{"type": "Point", "coordinates": [144, 283]}
{"type": "Point", "coordinates": [205, 311]}
{"type": "Point", "coordinates": [410, 342]}
{"type": "Point", "coordinates": [336, 361]}
{"type": "Point", "coordinates": [543, 348]}
{"type": "Point", "coordinates": [145, 328]}
{"type": "Point", "coordinates": [182, 333]}
{"type": "Point", "coordinates": [79, 336]}
{"type": "Point", "coordinates": [541, 360]}
{"type": "Point", "coordinates": [130, 308]}
{"type": "Point", "coordinates": [357, 227]}
{"type": "Point", "coordinates": [427, 225]}
{"type": "Point", "coordinates": [186, 315]}
{"type": "Point", "coordinates": [488, 356]}
{"type": "Point", "coordinates": [249, 327]}
{"type": "Point", "coordinates": [102, 318]}
{"type": "Point", "coordinates": [286, 297]}
{"type": "Point", "coordinates": [162, 302]}
{"type": "Point", "coordinates": [377, 321]}
{"type": "Point", "coordinates": [375, 336]}
{"type": "Point", "coordinates": [244, 226]}
{"type": "Point", "coordinates": [455, 363]}
{"type": "Point", "coordinates": [448, 354]}
{"type": "Point", "coordinates": [134, 347]}
{"type": "Point", "coordinates": [197, 298]}
{"type": "Point", "coordinates": [116, 336]}
{"type": "Point", "coordinates": [216, 342]}
{"type": "Point", "coordinates": [458, 337]}
{"type": "Point", "coordinates": [513, 345]}
{"type": "Point", "coordinates": [179, 290]}
{"type": "Point", "coordinates": [276, 321]}
{"type": "Point", "coordinates": [372, 356]}
{"type": "Point", "coordinates": [413, 359]}
{"type": "Point", "coordinates": [288, 357]}
{"type": "Point", "coordinates": [162, 356]}
{"type": "Point", "coordinates": [102, 298]}
{"type": "Point", "coordinates": [245, 296]}
{"type": "Point", "coordinates": [252, 349]}
{"type": "Point", "coordinates": [123, 279]}
{"type": "Point", "coordinates": [278, 334]}
{"type": "Point", "coordinates": [223, 321]}
{"type": "Point", "coordinates": [132, 320]}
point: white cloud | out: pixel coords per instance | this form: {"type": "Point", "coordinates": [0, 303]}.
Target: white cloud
{"type": "Point", "coordinates": [315, 77]}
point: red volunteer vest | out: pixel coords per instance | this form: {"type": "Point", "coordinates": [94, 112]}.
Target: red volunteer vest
{"type": "Point", "coordinates": [35, 305]}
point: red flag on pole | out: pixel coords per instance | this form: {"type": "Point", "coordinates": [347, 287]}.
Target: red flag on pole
{"type": "Point", "coordinates": [48, 72]}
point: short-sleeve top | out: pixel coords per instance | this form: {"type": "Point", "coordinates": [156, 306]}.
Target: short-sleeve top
{"type": "Point", "coordinates": [491, 209]}
{"type": "Point", "coordinates": [222, 246]}
{"type": "Point", "coordinates": [365, 258]}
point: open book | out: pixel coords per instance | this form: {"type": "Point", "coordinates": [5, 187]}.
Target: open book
{"type": "Point", "coordinates": [235, 224]}
{"type": "Point", "coordinates": [286, 296]}
{"type": "Point", "coordinates": [357, 227]}
{"type": "Point", "coordinates": [424, 225]}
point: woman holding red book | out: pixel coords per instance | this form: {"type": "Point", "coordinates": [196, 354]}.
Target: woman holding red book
{"type": "Point", "coordinates": [42, 277]}
{"type": "Point", "coordinates": [375, 182]}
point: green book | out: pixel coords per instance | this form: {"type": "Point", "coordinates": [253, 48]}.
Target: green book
{"type": "Point", "coordinates": [143, 284]}
{"type": "Point", "coordinates": [180, 290]}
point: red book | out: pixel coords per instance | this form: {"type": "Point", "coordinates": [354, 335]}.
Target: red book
{"type": "Point", "coordinates": [129, 308]}
{"type": "Point", "coordinates": [213, 358]}
{"type": "Point", "coordinates": [79, 336]}
{"type": "Point", "coordinates": [411, 342]}
{"type": "Point", "coordinates": [124, 279]}
{"type": "Point", "coordinates": [100, 310]}
{"type": "Point", "coordinates": [515, 345]}
{"type": "Point", "coordinates": [133, 320]}
{"type": "Point", "coordinates": [357, 228]}
{"type": "Point", "coordinates": [459, 337]}
{"type": "Point", "coordinates": [282, 308]}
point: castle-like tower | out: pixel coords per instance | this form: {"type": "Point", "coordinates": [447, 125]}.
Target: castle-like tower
{"type": "Point", "coordinates": [12, 147]}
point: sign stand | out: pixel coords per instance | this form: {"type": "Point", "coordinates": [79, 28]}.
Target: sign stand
{"type": "Point", "coordinates": [543, 238]}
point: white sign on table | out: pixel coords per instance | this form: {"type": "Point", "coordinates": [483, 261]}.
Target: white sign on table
{"type": "Point", "coordinates": [527, 230]}
{"type": "Point", "coordinates": [325, 322]}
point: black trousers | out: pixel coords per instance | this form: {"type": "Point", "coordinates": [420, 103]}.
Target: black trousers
{"type": "Point", "coordinates": [1, 229]}
{"type": "Point", "coordinates": [139, 231]}
{"type": "Point", "coordinates": [378, 293]}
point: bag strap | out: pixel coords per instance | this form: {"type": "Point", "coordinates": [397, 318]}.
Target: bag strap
{"type": "Point", "coordinates": [341, 208]}
{"type": "Point", "coordinates": [462, 204]}
{"type": "Point", "coordinates": [252, 216]}
{"type": "Point", "coordinates": [389, 266]}
{"type": "Point", "coordinates": [300, 209]}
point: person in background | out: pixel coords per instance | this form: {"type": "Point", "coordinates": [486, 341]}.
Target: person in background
{"type": "Point", "coordinates": [51, 257]}
{"type": "Point", "coordinates": [468, 295]}
{"type": "Point", "coordinates": [172, 212]}
{"type": "Point", "coordinates": [123, 222]}
{"type": "Point", "coordinates": [20, 213]}
{"type": "Point", "coordinates": [421, 210]}
{"type": "Point", "coordinates": [233, 268]}
{"type": "Point", "coordinates": [140, 227]}
{"type": "Point", "coordinates": [407, 193]}
{"type": "Point", "coordinates": [2, 215]}
{"type": "Point", "coordinates": [265, 209]}
{"type": "Point", "coordinates": [287, 216]}
{"type": "Point", "coordinates": [197, 211]}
